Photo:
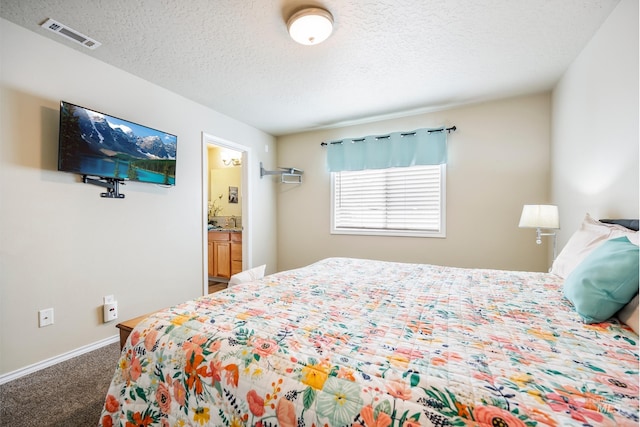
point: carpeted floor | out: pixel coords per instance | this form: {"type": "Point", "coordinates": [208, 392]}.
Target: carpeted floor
{"type": "Point", "coordinates": [69, 394]}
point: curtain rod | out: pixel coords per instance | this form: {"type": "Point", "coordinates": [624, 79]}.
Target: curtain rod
{"type": "Point", "coordinates": [449, 130]}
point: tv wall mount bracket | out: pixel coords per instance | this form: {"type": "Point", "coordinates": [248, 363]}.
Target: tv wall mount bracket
{"type": "Point", "coordinates": [111, 184]}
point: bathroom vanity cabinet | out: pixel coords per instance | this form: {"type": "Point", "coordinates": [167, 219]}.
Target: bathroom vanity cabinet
{"type": "Point", "coordinates": [225, 253]}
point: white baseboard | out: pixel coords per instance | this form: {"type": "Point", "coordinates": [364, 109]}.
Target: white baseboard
{"type": "Point", "coordinates": [5, 378]}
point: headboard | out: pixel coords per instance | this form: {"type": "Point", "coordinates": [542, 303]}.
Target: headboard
{"type": "Point", "coordinates": [631, 224]}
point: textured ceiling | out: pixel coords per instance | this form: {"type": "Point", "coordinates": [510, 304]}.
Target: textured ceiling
{"type": "Point", "coordinates": [385, 58]}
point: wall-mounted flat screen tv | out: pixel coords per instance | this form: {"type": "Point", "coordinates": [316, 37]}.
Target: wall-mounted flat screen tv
{"type": "Point", "coordinates": [96, 144]}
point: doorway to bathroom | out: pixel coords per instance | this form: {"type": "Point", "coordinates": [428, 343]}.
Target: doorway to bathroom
{"type": "Point", "coordinates": [226, 218]}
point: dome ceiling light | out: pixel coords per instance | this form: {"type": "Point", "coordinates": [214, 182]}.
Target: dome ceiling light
{"type": "Point", "coordinates": [310, 26]}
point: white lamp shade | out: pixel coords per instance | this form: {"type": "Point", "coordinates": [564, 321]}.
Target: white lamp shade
{"type": "Point", "coordinates": [540, 216]}
{"type": "Point", "coordinates": [310, 26]}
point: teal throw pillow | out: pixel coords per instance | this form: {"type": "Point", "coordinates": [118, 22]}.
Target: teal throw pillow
{"type": "Point", "coordinates": [605, 281]}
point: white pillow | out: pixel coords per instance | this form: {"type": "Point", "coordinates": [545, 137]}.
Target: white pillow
{"type": "Point", "coordinates": [629, 314]}
{"type": "Point", "coordinates": [588, 237]}
{"type": "Point", "coordinates": [255, 273]}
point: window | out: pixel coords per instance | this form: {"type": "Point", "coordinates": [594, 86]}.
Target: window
{"type": "Point", "coordinates": [407, 201]}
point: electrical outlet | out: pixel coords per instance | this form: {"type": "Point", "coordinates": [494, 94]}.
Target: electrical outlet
{"type": "Point", "coordinates": [45, 317]}
{"type": "Point", "coordinates": [110, 311]}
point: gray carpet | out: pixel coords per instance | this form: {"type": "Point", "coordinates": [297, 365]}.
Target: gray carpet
{"type": "Point", "coordinates": [69, 394]}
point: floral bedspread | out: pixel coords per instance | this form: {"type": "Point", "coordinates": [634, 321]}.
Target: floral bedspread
{"type": "Point", "coordinates": [348, 342]}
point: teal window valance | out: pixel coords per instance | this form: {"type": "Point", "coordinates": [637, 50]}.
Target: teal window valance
{"type": "Point", "coordinates": [397, 149]}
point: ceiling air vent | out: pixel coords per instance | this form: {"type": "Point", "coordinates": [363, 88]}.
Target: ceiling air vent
{"type": "Point", "coordinates": [70, 33]}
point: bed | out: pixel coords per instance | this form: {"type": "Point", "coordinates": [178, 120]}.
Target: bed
{"type": "Point", "coordinates": [364, 343]}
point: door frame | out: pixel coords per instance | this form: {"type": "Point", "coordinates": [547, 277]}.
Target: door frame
{"type": "Point", "coordinates": [247, 220]}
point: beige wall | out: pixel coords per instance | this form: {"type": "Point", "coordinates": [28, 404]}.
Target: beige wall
{"type": "Point", "coordinates": [498, 161]}
{"type": "Point", "coordinates": [221, 180]}
{"type": "Point", "coordinates": [595, 131]}
{"type": "Point", "coordinates": [63, 246]}
{"type": "Point", "coordinates": [221, 177]}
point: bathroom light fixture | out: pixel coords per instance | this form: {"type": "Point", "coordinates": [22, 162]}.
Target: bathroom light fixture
{"type": "Point", "coordinates": [539, 217]}
{"type": "Point", "coordinates": [229, 158]}
{"type": "Point", "coordinates": [232, 162]}
{"type": "Point", "coordinates": [310, 26]}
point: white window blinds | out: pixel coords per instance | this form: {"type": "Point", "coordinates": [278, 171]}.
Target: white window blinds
{"type": "Point", "coordinates": [396, 201]}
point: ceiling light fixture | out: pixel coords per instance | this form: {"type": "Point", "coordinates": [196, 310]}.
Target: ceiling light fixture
{"type": "Point", "coordinates": [310, 26]}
